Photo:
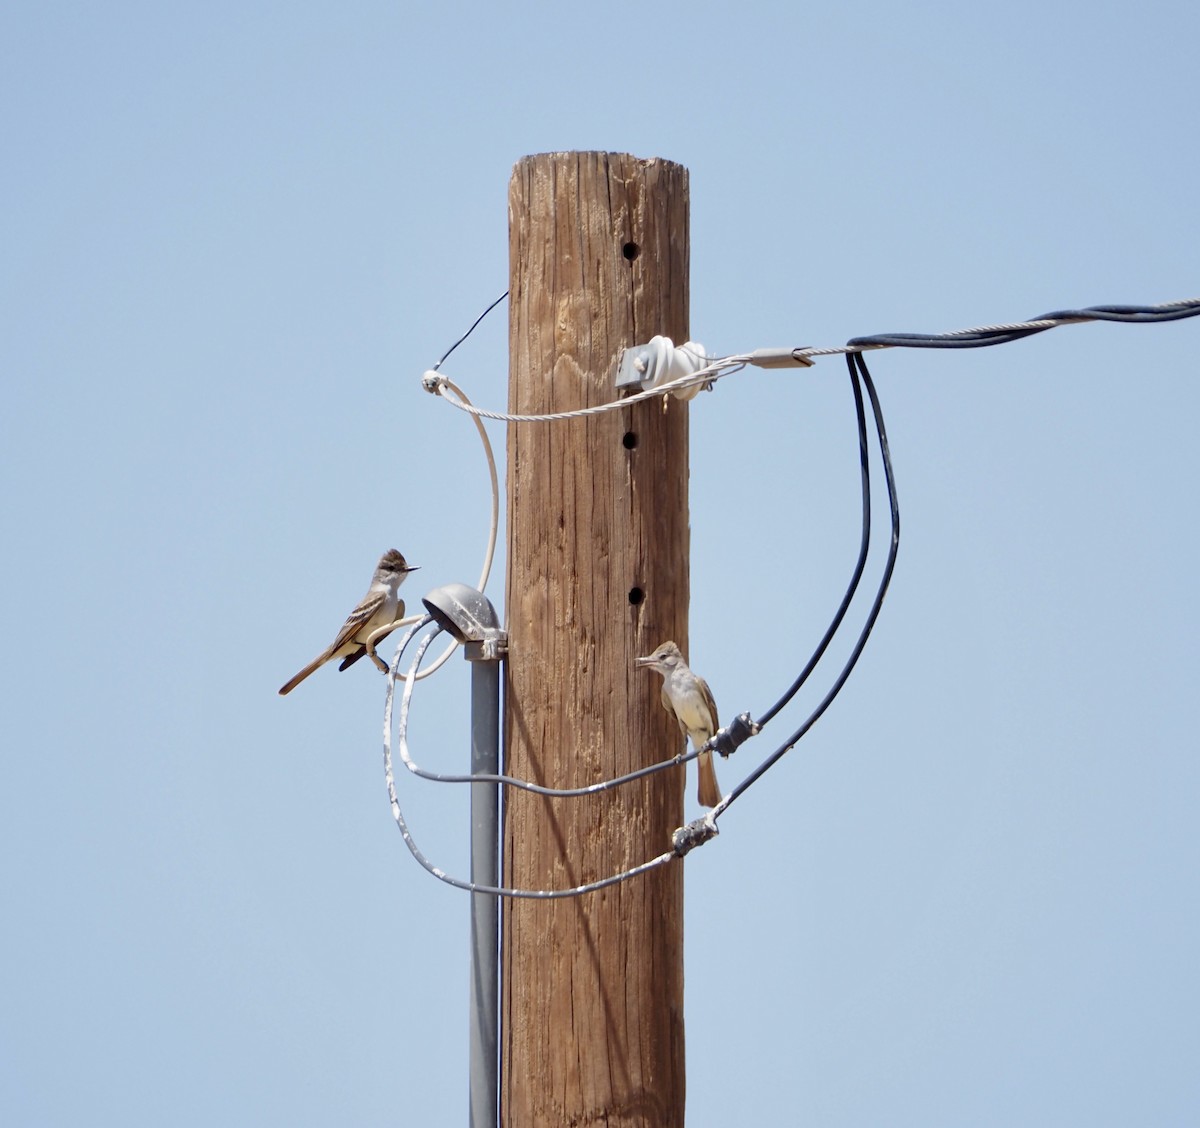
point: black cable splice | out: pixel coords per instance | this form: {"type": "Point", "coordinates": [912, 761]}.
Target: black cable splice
{"type": "Point", "coordinates": [728, 739]}
{"type": "Point", "coordinates": [696, 833]}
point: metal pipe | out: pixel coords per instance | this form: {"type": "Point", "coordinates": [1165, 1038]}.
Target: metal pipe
{"type": "Point", "coordinates": [469, 616]}
{"type": "Point", "coordinates": [485, 907]}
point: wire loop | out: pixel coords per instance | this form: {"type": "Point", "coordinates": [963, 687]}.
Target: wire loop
{"type": "Point", "coordinates": [702, 830]}
{"type": "Point", "coordinates": [410, 679]}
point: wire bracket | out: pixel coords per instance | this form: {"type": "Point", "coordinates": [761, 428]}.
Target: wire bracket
{"type": "Point", "coordinates": [492, 648]}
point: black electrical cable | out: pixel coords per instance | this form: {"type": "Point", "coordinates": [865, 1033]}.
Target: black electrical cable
{"type": "Point", "coordinates": [858, 368]}
{"type": "Point", "coordinates": [1000, 334]}
{"type": "Point", "coordinates": [975, 338]}
{"type": "Point", "coordinates": [474, 324]}
{"type": "Point", "coordinates": [1133, 314]}
{"type": "Point", "coordinates": [860, 564]}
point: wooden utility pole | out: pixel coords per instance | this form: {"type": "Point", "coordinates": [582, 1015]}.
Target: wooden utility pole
{"type": "Point", "coordinates": [592, 992]}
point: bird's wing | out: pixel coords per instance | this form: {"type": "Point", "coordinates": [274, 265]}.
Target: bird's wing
{"type": "Point", "coordinates": [708, 700]}
{"type": "Point", "coordinates": [362, 614]}
{"type": "Point", "coordinates": [355, 655]}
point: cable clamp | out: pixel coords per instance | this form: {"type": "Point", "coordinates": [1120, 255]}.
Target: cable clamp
{"type": "Point", "coordinates": [696, 833]}
{"type": "Point", "coordinates": [780, 358]}
{"type": "Point", "coordinates": [492, 648]}
{"type": "Point", "coordinates": [727, 740]}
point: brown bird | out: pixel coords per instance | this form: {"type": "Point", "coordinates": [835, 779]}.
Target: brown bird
{"type": "Point", "coordinates": [379, 607]}
{"type": "Point", "coordinates": [688, 699]}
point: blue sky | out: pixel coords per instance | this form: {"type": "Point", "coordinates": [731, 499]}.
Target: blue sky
{"type": "Point", "coordinates": [234, 237]}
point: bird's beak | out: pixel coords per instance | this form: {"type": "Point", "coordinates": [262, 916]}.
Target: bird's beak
{"type": "Point", "coordinates": [648, 661]}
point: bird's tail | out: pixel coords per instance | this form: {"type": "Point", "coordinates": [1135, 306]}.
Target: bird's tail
{"type": "Point", "coordinates": [710, 791]}
{"type": "Point", "coordinates": [313, 666]}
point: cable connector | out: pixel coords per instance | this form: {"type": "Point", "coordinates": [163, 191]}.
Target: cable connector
{"type": "Point", "coordinates": [696, 833]}
{"type": "Point", "coordinates": [659, 362]}
{"type": "Point", "coordinates": [433, 382]}
{"type": "Point", "coordinates": [727, 740]}
{"type": "Point", "coordinates": [780, 358]}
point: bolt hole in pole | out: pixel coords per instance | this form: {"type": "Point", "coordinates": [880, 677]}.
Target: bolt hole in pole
{"type": "Point", "coordinates": [636, 595]}
{"type": "Point", "coordinates": [629, 440]}
{"type": "Point", "coordinates": [631, 251]}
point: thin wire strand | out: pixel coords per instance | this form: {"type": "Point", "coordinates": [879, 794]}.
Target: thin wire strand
{"type": "Point", "coordinates": [474, 326]}
{"type": "Point", "coordinates": [513, 781]}
{"type": "Point", "coordinates": [490, 552]}
{"type": "Point", "coordinates": [718, 370]}
{"type": "Point", "coordinates": [398, 814]}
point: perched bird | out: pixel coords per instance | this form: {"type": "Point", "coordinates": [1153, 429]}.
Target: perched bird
{"type": "Point", "coordinates": [687, 697]}
{"type": "Point", "coordinates": [379, 607]}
